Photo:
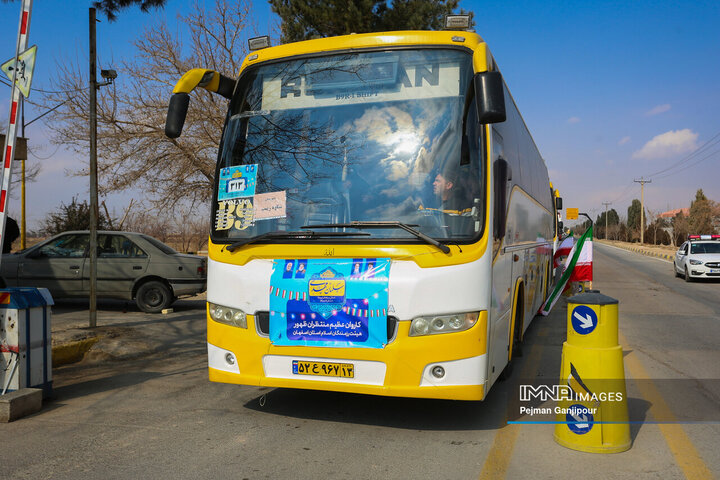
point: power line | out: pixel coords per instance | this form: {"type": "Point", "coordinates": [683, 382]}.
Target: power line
{"type": "Point", "coordinates": [690, 155]}
{"type": "Point", "coordinates": [47, 92]}
{"type": "Point", "coordinates": [624, 193]}
{"type": "Point", "coordinates": [689, 165]}
{"type": "Point", "coordinates": [30, 151]}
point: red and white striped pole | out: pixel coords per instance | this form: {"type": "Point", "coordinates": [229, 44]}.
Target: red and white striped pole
{"type": "Point", "coordinates": [11, 136]}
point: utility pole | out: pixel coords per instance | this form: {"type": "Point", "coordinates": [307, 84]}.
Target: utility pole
{"type": "Point", "coordinates": [93, 174]}
{"type": "Point", "coordinates": [606, 220]}
{"type": "Point", "coordinates": [642, 183]}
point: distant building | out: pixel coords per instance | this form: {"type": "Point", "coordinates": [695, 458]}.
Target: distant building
{"type": "Point", "coordinates": [672, 213]}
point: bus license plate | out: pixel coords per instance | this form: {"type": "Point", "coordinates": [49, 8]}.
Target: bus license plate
{"type": "Point", "coordinates": [323, 369]}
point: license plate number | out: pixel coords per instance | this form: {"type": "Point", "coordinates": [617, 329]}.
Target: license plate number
{"type": "Point", "coordinates": [323, 369]}
{"type": "Point", "coordinates": [715, 270]}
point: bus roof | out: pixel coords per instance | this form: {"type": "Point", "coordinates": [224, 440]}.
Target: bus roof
{"type": "Point", "coordinates": [365, 40]}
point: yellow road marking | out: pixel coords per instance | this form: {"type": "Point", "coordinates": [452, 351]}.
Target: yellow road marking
{"type": "Point", "coordinates": [498, 457]}
{"type": "Point", "coordinates": [685, 453]}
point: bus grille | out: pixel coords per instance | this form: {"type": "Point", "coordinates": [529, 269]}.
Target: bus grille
{"type": "Point", "coordinates": [262, 322]}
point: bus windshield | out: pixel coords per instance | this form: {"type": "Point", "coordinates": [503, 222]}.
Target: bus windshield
{"type": "Point", "coordinates": [362, 136]}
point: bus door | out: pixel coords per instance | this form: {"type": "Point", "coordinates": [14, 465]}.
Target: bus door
{"type": "Point", "coordinates": [502, 291]}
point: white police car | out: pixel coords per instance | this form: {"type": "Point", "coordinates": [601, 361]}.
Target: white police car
{"type": "Point", "coordinates": [699, 257]}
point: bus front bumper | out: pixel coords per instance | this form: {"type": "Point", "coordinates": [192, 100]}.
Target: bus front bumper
{"type": "Point", "coordinates": [402, 368]}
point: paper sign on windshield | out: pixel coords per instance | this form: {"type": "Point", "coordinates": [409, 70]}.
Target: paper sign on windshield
{"type": "Point", "coordinates": [238, 181]}
{"type": "Point", "coordinates": [332, 303]}
{"type": "Point", "coordinates": [270, 205]}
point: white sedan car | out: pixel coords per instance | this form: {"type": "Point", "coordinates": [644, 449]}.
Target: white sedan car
{"type": "Point", "coordinates": [699, 257]}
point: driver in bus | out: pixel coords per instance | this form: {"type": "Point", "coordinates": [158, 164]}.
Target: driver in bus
{"type": "Point", "coordinates": [447, 188]}
{"type": "Point", "coordinates": [453, 199]}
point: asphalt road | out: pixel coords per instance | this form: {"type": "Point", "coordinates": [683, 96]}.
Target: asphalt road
{"type": "Point", "coordinates": [159, 417]}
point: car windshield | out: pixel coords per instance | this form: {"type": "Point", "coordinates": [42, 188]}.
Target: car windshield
{"type": "Point", "coordinates": [706, 247]}
{"type": "Point", "coordinates": [360, 137]}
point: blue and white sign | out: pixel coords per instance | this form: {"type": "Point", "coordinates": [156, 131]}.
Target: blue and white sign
{"type": "Point", "coordinates": [584, 319]}
{"type": "Point", "coordinates": [329, 303]}
{"type": "Point", "coordinates": [238, 181]}
{"type": "Point", "coordinates": [579, 419]}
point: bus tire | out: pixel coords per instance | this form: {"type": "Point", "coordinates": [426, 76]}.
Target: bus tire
{"type": "Point", "coordinates": [517, 329]}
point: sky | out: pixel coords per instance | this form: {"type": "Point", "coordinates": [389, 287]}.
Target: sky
{"type": "Point", "coordinates": [611, 91]}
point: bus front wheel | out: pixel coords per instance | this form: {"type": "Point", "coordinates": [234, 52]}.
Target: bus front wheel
{"type": "Point", "coordinates": [515, 347]}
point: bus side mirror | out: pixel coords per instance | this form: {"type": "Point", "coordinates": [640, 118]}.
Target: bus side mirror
{"type": "Point", "coordinates": [177, 111]}
{"type": "Point", "coordinates": [558, 203]}
{"type": "Point", "coordinates": [490, 97]}
{"type": "Point", "coordinates": [502, 174]}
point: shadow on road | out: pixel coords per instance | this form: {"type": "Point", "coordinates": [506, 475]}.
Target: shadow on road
{"type": "Point", "coordinates": [71, 305]}
{"type": "Point", "coordinates": [405, 413]}
{"type": "Point", "coordinates": [102, 384]}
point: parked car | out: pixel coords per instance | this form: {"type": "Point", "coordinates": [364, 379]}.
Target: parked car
{"type": "Point", "coordinates": [129, 266]}
{"type": "Point", "coordinates": [699, 257]}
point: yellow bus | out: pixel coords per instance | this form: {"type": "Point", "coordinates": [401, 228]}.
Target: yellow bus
{"type": "Point", "coordinates": [381, 217]}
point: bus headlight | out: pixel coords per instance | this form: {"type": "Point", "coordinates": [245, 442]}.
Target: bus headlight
{"type": "Point", "coordinates": [456, 322]}
{"type": "Point", "coordinates": [229, 316]}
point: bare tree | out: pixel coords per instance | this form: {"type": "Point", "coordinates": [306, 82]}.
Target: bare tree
{"type": "Point", "coordinates": [192, 234]}
{"type": "Point", "coordinates": [150, 222]}
{"type": "Point", "coordinates": [186, 230]}
{"type": "Point", "coordinates": [133, 150]}
{"type": "Point", "coordinates": [613, 231]}
{"type": "Point", "coordinates": [681, 228]}
{"type": "Point", "coordinates": [652, 217]}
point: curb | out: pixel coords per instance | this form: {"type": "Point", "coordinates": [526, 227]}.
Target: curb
{"type": "Point", "coordinates": [648, 253]}
{"type": "Point", "coordinates": [71, 352]}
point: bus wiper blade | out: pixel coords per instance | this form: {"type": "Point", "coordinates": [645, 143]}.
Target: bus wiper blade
{"type": "Point", "coordinates": [251, 113]}
{"type": "Point", "coordinates": [389, 224]}
{"type": "Point", "coordinates": [285, 234]}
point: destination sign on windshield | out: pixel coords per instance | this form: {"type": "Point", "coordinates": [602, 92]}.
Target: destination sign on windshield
{"type": "Point", "coordinates": [334, 84]}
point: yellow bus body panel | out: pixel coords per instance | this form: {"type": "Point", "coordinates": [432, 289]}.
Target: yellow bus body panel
{"type": "Point", "coordinates": [470, 40]}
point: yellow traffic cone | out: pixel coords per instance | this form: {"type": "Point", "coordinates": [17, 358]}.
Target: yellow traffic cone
{"type": "Point", "coordinates": [594, 411]}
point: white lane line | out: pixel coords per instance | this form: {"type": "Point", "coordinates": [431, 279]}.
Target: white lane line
{"type": "Point", "coordinates": [630, 251]}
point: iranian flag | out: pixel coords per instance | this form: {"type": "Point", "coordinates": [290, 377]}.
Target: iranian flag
{"type": "Point", "coordinates": [583, 271]}
{"type": "Point", "coordinates": [578, 251]}
{"type": "Point", "coordinates": [563, 251]}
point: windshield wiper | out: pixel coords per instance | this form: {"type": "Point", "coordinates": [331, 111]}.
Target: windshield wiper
{"type": "Point", "coordinates": [390, 224]}
{"type": "Point", "coordinates": [299, 235]}
{"type": "Point", "coordinates": [251, 113]}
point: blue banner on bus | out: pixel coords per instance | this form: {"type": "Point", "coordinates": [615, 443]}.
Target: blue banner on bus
{"type": "Point", "coordinates": [329, 303]}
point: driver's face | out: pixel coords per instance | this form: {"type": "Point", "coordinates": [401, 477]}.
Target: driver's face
{"type": "Point", "coordinates": [438, 184]}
